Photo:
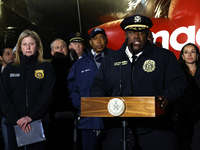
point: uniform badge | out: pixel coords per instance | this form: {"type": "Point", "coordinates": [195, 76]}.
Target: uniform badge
{"type": "Point", "coordinates": [149, 65]}
{"type": "Point", "coordinates": [39, 74]}
{"type": "Point", "coordinates": [137, 19]}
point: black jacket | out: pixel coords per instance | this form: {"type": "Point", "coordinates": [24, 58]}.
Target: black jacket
{"type": "Point", "coordinates": [187, 106]}
{"type": "Point", "coordinates": [1, 112]}
{"type": "Point", "coordinates": [156, 73]}
{"type": "Point", "coordinates": [26, 90]}
{"type": "Point", "coordinates": [61, 102]}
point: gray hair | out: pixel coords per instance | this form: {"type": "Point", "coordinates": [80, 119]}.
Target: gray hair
{"type": "Point", "coordinates": [51, 46]}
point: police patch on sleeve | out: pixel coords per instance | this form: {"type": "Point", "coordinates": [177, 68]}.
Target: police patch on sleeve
{"type": "Point", "coordinates": [39, 74]}
{"type": "Point", "coordinates": [149, 65]}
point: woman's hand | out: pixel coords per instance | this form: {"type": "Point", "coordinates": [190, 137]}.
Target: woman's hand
{"type": "Point", "coordinates": [24, 124]}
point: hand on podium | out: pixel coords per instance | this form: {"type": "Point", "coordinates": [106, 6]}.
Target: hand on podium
{"type": "Point", "coordinates": [163, 101]}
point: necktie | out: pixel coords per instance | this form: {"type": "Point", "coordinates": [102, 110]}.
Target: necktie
{"type": "Point", "coordinates": [134, 58]}
{"type": "Point", "coordinates": [98, 58]}
{"type": "Point", "coordinates": [132, 70]}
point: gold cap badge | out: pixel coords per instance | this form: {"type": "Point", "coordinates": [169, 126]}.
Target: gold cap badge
{"type": "Point", "coordinates": [78, 34]}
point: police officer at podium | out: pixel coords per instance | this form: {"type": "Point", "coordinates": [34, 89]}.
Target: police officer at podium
{"type": "Point", "coordinates": [139, 68]}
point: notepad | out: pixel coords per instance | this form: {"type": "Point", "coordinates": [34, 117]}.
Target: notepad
{"type": "Point", "coordinates": [36, 134]}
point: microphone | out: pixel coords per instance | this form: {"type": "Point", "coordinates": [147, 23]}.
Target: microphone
{"type": "Point", "coordinates": [131, 47]}
{"type": "Point", "coordinates": [65, 115]}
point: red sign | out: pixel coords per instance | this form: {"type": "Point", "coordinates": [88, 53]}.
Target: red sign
{"type": "Point", "coordinates": [182, 26]}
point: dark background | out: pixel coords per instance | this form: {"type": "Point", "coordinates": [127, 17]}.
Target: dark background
{"type": "Point", "coordinates": [57, 18]}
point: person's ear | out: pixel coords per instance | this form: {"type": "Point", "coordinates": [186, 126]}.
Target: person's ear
{"type": "Point", "coordinates": [125, 34]}
{"type": "Point", "coordinates": [52, 53]}
{"type": "Point", "coordinates": [90, 42]}
{"type": "Point", "coordinates": [183, 57]}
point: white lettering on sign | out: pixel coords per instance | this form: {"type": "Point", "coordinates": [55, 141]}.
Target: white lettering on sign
{"type": "Point", "coordinates": [172, 39]}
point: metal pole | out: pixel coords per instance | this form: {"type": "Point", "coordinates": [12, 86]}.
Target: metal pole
{"type": "Point", "coordinates": [124, 136]}
{"type": "Point", "coordinates": [79, 16]}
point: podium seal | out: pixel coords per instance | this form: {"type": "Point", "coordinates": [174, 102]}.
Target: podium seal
{"type": "Point", "coordinates": [116, 106]}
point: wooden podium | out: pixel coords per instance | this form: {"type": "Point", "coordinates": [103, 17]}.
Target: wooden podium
{"type": "Point", "coordinates": [134, 107]}
{"type": "Point", "coordinates": [124, 106]}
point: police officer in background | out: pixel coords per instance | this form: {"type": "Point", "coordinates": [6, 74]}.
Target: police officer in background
{"type": "Point", "coordinates": [139, 68]}
{"type": "Point", "coordinates": [76, 46]}
{"type": "Point", "coordinates": [79, 81]}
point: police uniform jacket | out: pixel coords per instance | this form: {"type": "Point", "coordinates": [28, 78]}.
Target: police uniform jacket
{"type": "Point", "coordinates": [156, 72]}
{"type": "Point", "coordinates": [26, 90]}
{"type": "Point", "coordinates": [79, 81]}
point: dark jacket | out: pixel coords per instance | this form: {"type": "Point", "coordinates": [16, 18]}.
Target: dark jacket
{"type": "Point", "coordinates": [156, 72]}
{"type": "Point", "coordinates": [26, 90]}
{"type": "Point", "coordinates": [187, 106]}
{"type": "Point", "coordinates": [1, 111]}
{"type": "Point", "coordinates": [79, 82]}
{"type": "Point", "coordinates": [61, 101]}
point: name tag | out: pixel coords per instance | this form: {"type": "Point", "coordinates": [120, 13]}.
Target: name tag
{"type": "Point", "coordinates": [86, 70]}
{"type": "Point", "coordinates": [12, 75]}
{"type": "Point", "coordinates": [120, 63]}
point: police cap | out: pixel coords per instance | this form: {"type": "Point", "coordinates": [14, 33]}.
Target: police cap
{"type": "Point", "coordinates": [136, 22]}
{"type": "Point", "coordinates": [76, 37]}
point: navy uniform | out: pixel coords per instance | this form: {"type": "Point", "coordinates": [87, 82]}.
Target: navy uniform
{"type": "Point", "coordinates": [79, 80]}
{"type": "Point", "coordinates": [155, 72]}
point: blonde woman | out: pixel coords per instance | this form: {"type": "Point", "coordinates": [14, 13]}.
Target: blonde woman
{"type": "Point", "coordinates": [26, 87]}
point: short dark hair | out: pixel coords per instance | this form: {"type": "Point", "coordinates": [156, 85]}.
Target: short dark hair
{"type": "Point", "coordinates": [3, 47]}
